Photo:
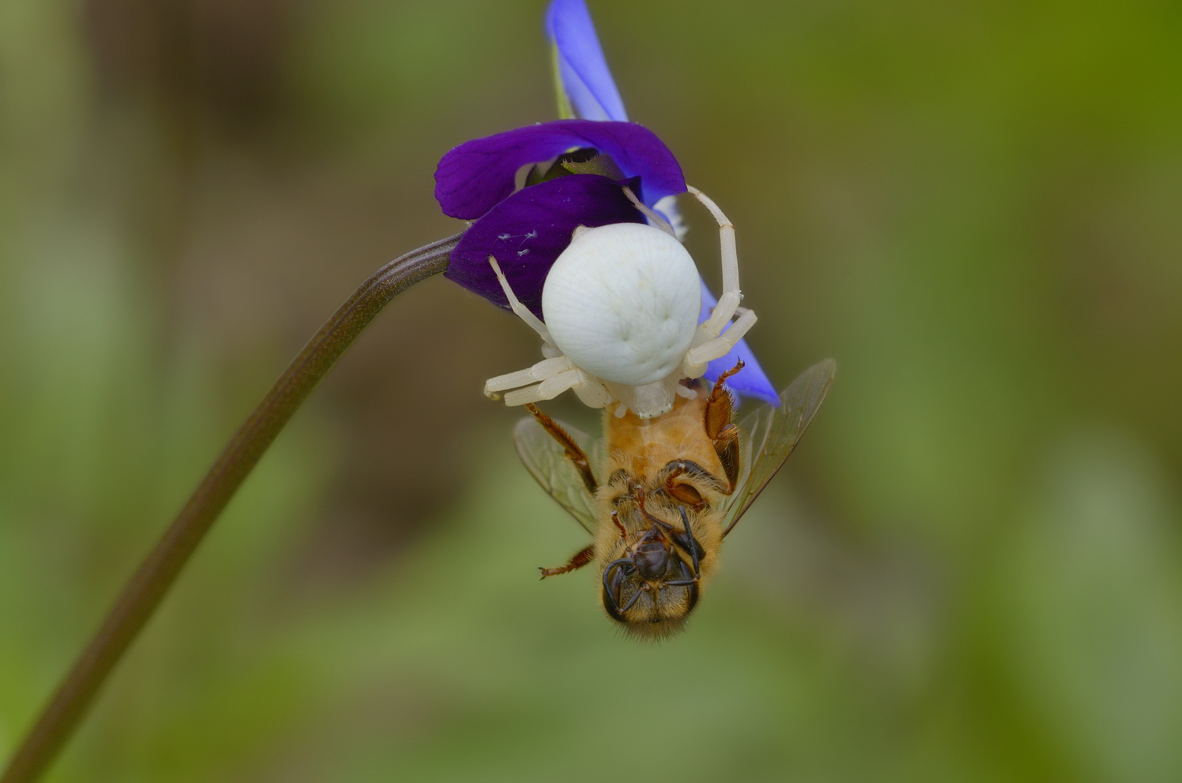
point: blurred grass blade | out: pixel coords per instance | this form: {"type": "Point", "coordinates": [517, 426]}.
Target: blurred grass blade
{"type": "Point", "coordinates": [144, 592]}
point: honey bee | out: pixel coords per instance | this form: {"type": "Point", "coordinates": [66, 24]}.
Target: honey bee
{"type": "Point", "coordinates": [659, 495]}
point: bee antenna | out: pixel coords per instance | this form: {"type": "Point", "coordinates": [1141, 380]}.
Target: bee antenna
{"type": "Point", "coordinates": [686, 580]}
{"type": "Point", "coordinates": [654, 523]}
{"type": "Point", "coordinates": [694, 546]}
{"type": "Point", "coordinates": [633, 599]}
{"type": "Point", "coordinates": [607, 574]}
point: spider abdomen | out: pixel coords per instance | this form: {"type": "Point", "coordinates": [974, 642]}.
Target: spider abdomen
{"type": "Point", "coordinates": [622, 302]}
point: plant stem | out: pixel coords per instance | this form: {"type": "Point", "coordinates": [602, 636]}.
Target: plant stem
{"type": "Point", "coordinates": [144, 592]}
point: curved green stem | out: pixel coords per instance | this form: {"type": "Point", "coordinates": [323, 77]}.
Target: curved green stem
{"type": "Point", "coordinates": [156, 575]}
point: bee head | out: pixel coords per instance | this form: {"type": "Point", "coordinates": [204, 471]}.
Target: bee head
{"type": "Point", "coordinates": [652, 588]}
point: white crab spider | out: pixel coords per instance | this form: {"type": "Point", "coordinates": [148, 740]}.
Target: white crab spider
{"type": "Point", "coordinates": [621, 306]}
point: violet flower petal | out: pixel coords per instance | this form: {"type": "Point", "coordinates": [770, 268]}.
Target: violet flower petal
{"type": "Point", "coordinates": [582, 68]}
{"type": "Point", "coordinates": [476, 175]}
{"type": "Point", "coordinates": [751, 381]}
{"type": "Point", "coordinates": [586, 80]}
{"type": "Point", "coordinates": [527, 231]}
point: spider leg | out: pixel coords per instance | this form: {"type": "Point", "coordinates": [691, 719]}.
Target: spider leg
{"type": "Point", "coordinates": [519, 309]}
{"type": "Point", "coordinates": [548, 389]}
{"type": "Point", "coordinates": [699, 356]}
{"type": "Point", "coordinates": [542, 371]}
{"type": "Point", "coordinates": [726, 233]}
{"type": "Point", "coordinates": [720, 316]}
{"type": "Point", "coordinates": [592, 393]}
{"type": "Point", "coordinates": [728, 303]}
{"type": "Point", "coordinates": [557, 384]}
{"type": "Point", "coordinates": [654, 217]}
{"type": "Point", "coordinates": [524, 396]}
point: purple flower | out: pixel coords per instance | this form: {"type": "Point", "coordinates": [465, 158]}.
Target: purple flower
{"type": "Point", "coordinates": [527, 229]}
{"type": "Point", "coordinates": [478, 174]}
{"type": "Point", "coordinates": [585, 84]}
{"type": "Point", "coordinates": [595, 156]}
{"type": "Point", "coordinates": [586, 87]}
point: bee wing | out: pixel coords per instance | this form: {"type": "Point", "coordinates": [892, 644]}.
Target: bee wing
{"type": "Point", "coordinates": [768, 435]}
{"type": "Point", "coordinates": [546, 460]}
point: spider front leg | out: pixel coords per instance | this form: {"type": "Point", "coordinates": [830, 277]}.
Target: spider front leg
{"type": "Point", "coordinates": [711, 342]}
{"type": "Point", "coordinates": [730, 259]}
{"type": "Point", "coordinates": [717, 346]}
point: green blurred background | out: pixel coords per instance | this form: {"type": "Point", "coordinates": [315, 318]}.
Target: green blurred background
{"type": "Point", "coordinates": [970, 571]}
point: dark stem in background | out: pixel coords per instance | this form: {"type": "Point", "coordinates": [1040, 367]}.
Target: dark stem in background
{"type": "Point", "coordinates": [151, 582]}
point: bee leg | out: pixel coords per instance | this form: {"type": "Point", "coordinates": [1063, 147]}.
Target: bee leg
{"type": "Point", "coordinates": [581, 558]}
{"type": "Point", "coordinates": [682, 493]}
{"type": "Point", "coordinates": [616, 522]}
{"type": "Point", "coordinates": [720, 428]}
{"type": "Point", "coordinates": [573, 452]}
{"type": "Point", "coordinates": [695, 550]}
